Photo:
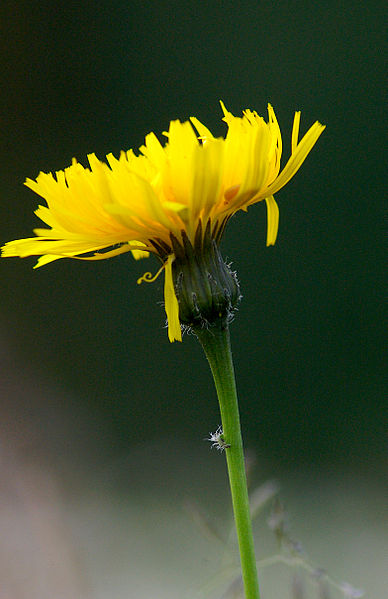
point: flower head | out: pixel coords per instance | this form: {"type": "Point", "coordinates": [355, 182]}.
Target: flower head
{"type": "Point", "coordinates": [166, 197]}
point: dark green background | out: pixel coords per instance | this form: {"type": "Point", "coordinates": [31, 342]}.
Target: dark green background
{"type": "Point", "coordinates": [80, 77]}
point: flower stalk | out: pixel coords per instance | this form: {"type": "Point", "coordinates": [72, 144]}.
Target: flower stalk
{"type": "Point", "coordinates": [216, 345]}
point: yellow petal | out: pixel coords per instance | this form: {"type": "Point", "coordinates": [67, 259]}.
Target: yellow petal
{"type": "Point", "coordinates": [295, 132]}
{"type": "Point", "coordinates": [171, 303]}
{"type": "Point", "coordinates": [298, 157]}
{"type": "Point", "coordinates": [272, 220]}
{"type": "Point", "coordinates": [204, 133]}
{"type": "Point", "coordinates": [43, 260]}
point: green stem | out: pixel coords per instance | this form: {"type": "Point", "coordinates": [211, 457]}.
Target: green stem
{"type": "Point", "coordinates": [216, 344]}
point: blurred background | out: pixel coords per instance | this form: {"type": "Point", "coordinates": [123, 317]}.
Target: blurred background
{"type": "Point", "coordinates": [102, 420]}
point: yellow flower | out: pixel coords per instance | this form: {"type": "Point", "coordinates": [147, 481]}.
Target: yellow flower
{"type": "Point", "coordinates": [140, 203]}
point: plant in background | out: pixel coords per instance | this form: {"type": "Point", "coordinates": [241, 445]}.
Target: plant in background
{"type": "Point", "coordinates": [174, 201]}
{"type": "Point", "coordinates": [307, 580]}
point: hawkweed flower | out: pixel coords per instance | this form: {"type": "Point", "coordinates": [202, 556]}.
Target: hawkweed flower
{"type": "Point", "coordinates": [172, 201]}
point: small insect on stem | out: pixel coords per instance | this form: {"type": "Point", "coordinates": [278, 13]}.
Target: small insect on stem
{"type": "Point", "coordinates": [217, 440]}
